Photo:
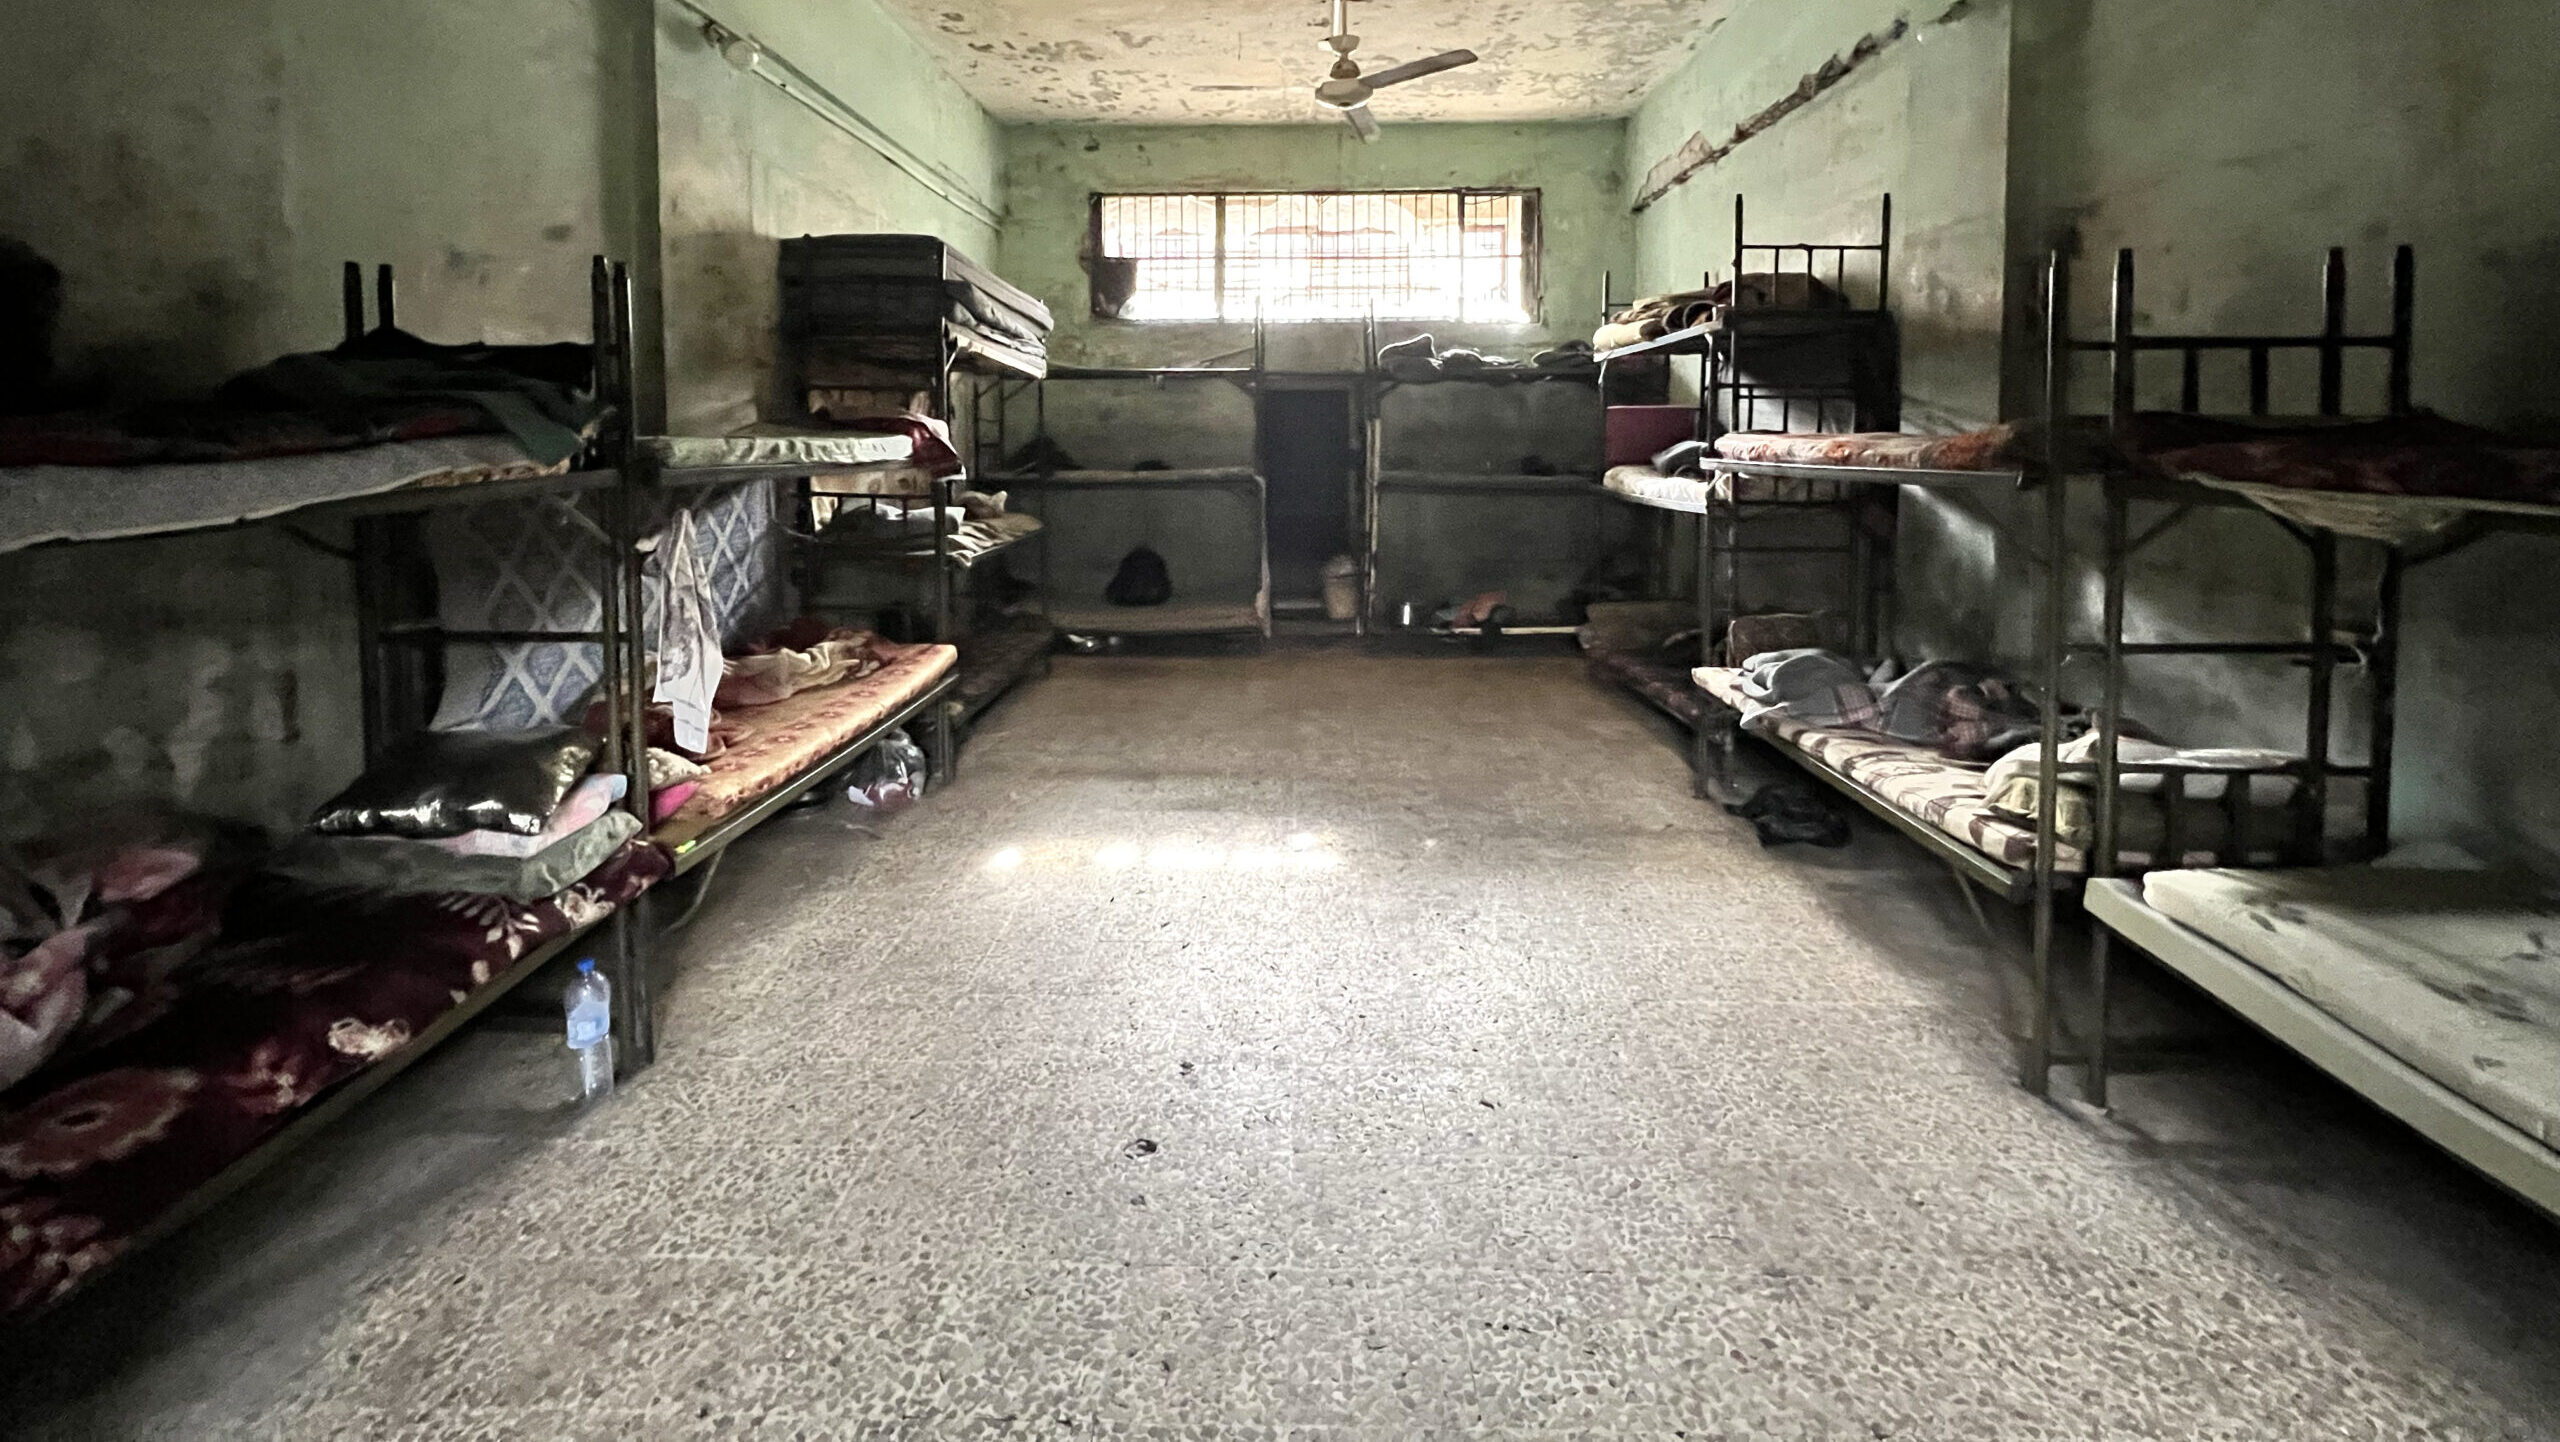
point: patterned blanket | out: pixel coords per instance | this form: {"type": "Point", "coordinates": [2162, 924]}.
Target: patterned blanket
{"type": "Point", "coordinates": [300, 997]}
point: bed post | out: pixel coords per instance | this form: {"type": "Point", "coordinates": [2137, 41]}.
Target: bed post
{"type": "Point", "coordinates": [2333, 333]}
{"type": "Point", "coordinates": [2404, 300]}
{"type": "Point", "coordinates": [2104, 849]}
{"type": "Point", "coordinates": [2385, 672]}
{"type": "Point", "coordinates": [631, 934]}
{"type": "Point", "coordinates": [2036, 1074]}
{"type": "Point", "coordinates": [351, 299]}
{"type": "Point", "coordinates": [2314, 829]}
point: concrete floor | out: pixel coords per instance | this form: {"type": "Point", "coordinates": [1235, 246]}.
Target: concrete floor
{"type": "Point", "coordinates": [1317, 1044]}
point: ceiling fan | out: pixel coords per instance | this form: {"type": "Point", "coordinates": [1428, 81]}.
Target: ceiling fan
{"type": "Point", "coordinates": [1348, 91]}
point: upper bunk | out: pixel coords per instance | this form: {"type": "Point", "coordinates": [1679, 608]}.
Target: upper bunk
{"type": "Point", "coordinates": [860, 310]}
{"type": "Point", "coordinates": [2402, 477]}
{"type": "Point", "coordinates": [1779, 293]}
{"type": "Point", "coordinates": [383, 423]}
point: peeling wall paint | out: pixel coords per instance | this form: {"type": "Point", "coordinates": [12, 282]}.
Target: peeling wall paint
{"type": "Point", "coordinates": [2230, 146]}
{"type": "Point", "coordinates": [1257, 62]}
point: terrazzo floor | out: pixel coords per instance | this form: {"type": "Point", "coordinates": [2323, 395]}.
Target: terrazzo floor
{"type": "Point", "coordinates": [1317, 1044]}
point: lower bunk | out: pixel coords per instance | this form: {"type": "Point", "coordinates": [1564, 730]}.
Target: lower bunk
{"type": "Point", "coordinates": [2430, 993]}
{"type": "Point", "coordinates": [772, 754]}
{"type": "Point", "coordinates": [1948, 767]}
{"type": "Point", "coordinates": [302, 1005]}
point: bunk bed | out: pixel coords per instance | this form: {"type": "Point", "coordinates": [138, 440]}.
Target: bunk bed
{"type": "Point", "coordinates": [2141, 812]}
{"type": "Point", "coordinates": [2424, 990]}
{"type": "Point", "coordinates": [1803, 338]}
{"type": "Point", "coordinates": [1386, 483]}
{"type": "Point", "coordinates": [299, 1004]}
{"type": "Point", "coordinates": [1230, 604]}
{"type": "Point", "coordinates": [870, 324]}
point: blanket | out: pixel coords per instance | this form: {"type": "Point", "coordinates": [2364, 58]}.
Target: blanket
{"type": "Point", "coordinates": [300, 997]}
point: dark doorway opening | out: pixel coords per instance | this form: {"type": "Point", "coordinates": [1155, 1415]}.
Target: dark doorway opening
{"type": "Point", "coordinates": [1308, 460]}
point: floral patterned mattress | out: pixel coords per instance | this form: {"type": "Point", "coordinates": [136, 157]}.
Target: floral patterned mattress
{"type": "Point", "coordinates": [778, 742]}
{"type": "Point", "coordinates": [2456, 973]}
{"type": "Point", "coordinates": [297, 999]}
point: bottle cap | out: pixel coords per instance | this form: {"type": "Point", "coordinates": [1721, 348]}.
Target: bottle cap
{"type": "Point", "coordinates": [586, 966]}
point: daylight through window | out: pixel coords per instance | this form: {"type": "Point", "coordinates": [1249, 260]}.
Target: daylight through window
{"type": "Point", "coordinates": [1468, 255]}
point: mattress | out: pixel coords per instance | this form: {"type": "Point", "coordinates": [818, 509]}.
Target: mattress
{"type": "Point", "coordinates": [1648, 486]}
{"type": "Point", "coordinates": [784, 740]}
{"type": "Point", "coordinates": [301, 996]}
{"type": "Point", "coordinates": [2455, 973]}
{"type": "Point", "coordinates": [820, 451]}
{"type": "Point", "coordinates": [2001, 448]}
{"type": "Point", "coordinates": [1653, 488]}
{"type": "Point", "coordinates": [43, 504]}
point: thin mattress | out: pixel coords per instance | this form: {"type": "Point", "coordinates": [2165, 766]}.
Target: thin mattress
{"type": "Point", "coordinates": [2455, 973]}
{"type": "Point", "coordinates": [1948, 795]}
{"type": "Point", "coordinates": [1690, 493]}
{"type": "Point", "coordinates": [40, 505]}
{"type": "Point", "coordinates": [822, 451]}
{"type": "Point", "coordinates": [787, 738]}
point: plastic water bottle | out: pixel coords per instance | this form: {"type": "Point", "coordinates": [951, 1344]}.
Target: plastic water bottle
{"type": "Point", "coordinates": [590, 1002]}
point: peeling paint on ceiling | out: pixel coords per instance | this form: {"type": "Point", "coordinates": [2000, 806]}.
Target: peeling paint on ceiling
{"type": "Point", "coordinates": [1258, 61]}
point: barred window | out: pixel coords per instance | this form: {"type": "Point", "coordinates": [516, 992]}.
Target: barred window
{"type": "Point", "coordinates": [1436, 255]}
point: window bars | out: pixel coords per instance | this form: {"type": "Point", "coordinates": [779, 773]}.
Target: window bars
{"type": "Point", "coordinates": [1436, 255]}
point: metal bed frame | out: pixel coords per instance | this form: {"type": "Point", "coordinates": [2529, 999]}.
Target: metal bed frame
{"type": "Point", "coordinates": [1722, 347]}
{"type": "Point", "coordinates": [1252, 378]}
{"type": "Point", "coordinates": [391, 677]}
{"type": "Point", "coordinates": [2060, 461]}
{"type": "Point", "coordinates": [1377, 481]}
{"type": "Point", "coordinates": [2515, 1159]}
{"type": "Point", "coordinates": [2321, 653]}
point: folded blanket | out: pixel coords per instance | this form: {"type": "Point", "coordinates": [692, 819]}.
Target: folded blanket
{"type": "Point", "coordinates": [1962, 711]}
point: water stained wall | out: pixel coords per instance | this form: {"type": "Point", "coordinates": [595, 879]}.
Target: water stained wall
{"type": "Point", "coordinates": [2230, 147]}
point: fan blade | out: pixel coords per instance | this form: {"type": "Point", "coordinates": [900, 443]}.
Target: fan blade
{"type": "Point", "coordinates": [1416, 69]}
{"type": "Point", "coordinates": [1363, 123]}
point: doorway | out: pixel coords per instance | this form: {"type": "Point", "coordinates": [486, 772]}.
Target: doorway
{"type": "Point", "coordinates": [1308, 461]}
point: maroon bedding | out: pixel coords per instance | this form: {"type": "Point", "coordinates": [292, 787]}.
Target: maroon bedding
{"type": "Point", "coordinates": [2420, 455]}
{"type": "Point", "coordinates": [299, 997]}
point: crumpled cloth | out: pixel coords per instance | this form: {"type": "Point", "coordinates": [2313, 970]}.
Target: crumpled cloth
{"type": "Point", "coordinates": [785, 672]}
{"type": "Point", "coordinates": [1960, 710]}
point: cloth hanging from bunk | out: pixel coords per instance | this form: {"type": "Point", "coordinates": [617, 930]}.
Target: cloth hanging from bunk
{"type": "Point", "coordinates": [689, 665]}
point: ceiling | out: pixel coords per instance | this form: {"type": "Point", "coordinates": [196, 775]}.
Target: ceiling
{"type": "Point", "coordinates": [1143, 61]}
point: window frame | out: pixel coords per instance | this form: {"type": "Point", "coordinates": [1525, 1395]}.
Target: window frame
{"type": "Point", "coordinates": [1533, 244]}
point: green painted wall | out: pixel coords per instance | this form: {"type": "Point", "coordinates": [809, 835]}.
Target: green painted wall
{"type": "Point", "coordinates": [2230, 145]}
{"type": "Point", "coordinates": [1053, 172]}
{"type": "Point", "coordinates": [745, 166]}
{"type": "Point", "coordinates": [200, 171]}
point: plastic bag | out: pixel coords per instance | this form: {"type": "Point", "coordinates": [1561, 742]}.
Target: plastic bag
{"type": "Point", "coordinates": [891, 776]}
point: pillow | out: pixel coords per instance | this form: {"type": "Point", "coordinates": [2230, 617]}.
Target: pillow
{"type": "Point", "coordinates": [2012, 788]}
{"type": "Point", "coordinates": [404, 867]}
{"type": "Point", "coordinates": [444, 783]}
